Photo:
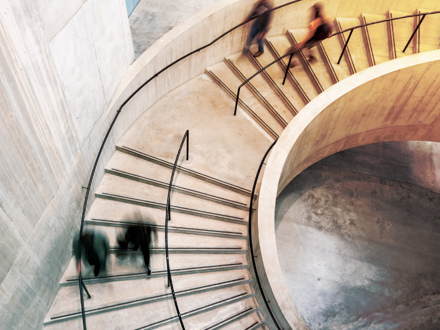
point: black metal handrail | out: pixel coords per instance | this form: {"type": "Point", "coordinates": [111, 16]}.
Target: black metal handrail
{"type": "Point", "coordinates": [334, 34]}
{"type": "Point", "coordinates": [98, 156]}
{"type": "Point", "coordinates": [250, 236]}
{"type": "Point", "coordinates": [168, 218]}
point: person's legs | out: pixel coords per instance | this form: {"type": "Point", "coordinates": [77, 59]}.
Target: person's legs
{"type": "Point", "coordinates": [146, 253]}
{"type": "Point", "coordinates": [308, 51]}
{"type": "Point", "coordinates": [252, 34]}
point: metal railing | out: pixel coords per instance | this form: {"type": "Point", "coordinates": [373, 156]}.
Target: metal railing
{"type": "Point", "coordinates": [168, 218]}
{"type": "Point", "coordinates": [343, 50]}
{"type": "Point", "coordinates": [251, 248]}
{"type": "Point", "coordinates": [98, 156]}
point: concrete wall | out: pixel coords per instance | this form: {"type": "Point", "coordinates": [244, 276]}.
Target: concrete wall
{"type": "Point", "coordinates": [60, 63]}
{"type": "Point", "coordinates": [394, 101]}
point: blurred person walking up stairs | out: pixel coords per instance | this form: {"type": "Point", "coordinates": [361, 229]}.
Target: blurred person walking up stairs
{"type": "Point", "coordinates": [263, 11]}
{"type": "Point", "coordinates": [320, 28]}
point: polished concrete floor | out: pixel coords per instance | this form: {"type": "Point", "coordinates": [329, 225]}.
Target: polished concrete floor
{"type": "Point", "coordinates": [153, 18]}
{"type": "Point", "coordinates": [358, 238]}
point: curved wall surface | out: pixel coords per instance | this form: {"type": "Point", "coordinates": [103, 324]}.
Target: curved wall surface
{"type": "Point", "coordinates": [395, 101]}
{"type": "Point", "coordinates": [62, 63]}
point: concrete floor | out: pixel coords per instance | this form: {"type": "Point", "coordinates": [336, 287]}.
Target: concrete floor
{"type": "Point", "coordinates": [153, 18]}
{"type": "Point", "coordinates": [358, 239]}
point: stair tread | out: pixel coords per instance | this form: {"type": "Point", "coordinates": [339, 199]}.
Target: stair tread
{"type": "Point", "coordinates": [277, 75]}
{"type": "Point", "coordinates": [131, 164]}
{"type": "Point", "coordinates": [179, 240]}
{"type": "Point", "coordinates": [403, 29]}
{"type": "Point", "coordinates": [282, 44]}
{"type": "Point", "coordinates": [209, 152]}
{"type": "Point", "coordinates": [119, 211]}
{"type": "Point", "coordinates": [135, 264]}
{"type": "Point", "coordinates": [122, 292]}
{"type": "Point", "coordinates": [319, 67]}
{"type": "Point", "coordinates": [112, 184]}
{"type": "Point", "coordinates": [356, 45]}
{"type": "Point", "coordinates": [261, 84]}
{"type": "Point", "coordinates": [334, 49]}
{"type": "Point", "coordinates": [378, 34]}
{"type": "Point", "coordinates": [229, 79]}
{"type": "Point", "coordinates": [429, 31]}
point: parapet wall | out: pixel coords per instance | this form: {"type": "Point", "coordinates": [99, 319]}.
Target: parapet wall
{"type": "Point", "coordinates": [394, 101]}
{"type": "Point", "coordinates": [62, 63]}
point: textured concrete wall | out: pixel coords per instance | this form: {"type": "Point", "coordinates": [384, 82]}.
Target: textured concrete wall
{"type": "Point", "coordinates": [395, 101]}
{"type": "Point", "coordinates": [60, 64]}
{"type": "Point", "coordinates": [360, 250]}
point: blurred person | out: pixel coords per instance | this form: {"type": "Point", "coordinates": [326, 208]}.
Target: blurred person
{"type": "Point", "coordinates": [263, 11]}
{"type": "Point", "coordinates": [139, 236]}
{"type": "Point", "coordinates": [320, 28]}
{"type": "Point", "coordinates": [93, 247]}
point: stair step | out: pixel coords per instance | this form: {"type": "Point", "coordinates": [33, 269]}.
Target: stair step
{"type": "Point", "coordinates": [318, 71]}
{"type": "Point", "coordinates": [125, 162]}
{"type": "Point", "coordinates": [122, 185]}
{"type": "Point", "coordinates": [92, 306]}
{"type": "Point", "coordinates": [175, 188]}
{"type": "Point", "coordinates": [279, 45]}
{"type": "Point", "coordinates": [199, 175]}
{"type": "Point", "coordinates": [184, 240]}
{"type": "Point", "coordinates": [69, 279]}
{"type": "Point", "coordinates": [378, 36]}
{"type": "Point", "coordinates": [428, 35]}
{"type": "Point", "coordinates": [276, 74]}
{"type": "Point", "coordinates": [210, 318]}
{"type": "Point", "coordinates": [201, 317]}
{"type": "Point", "coordinates": [238, 320]}
{"type": "Point", "coordinates": [174, 208]}
{"type": "Point", "coordinates": [402, 30]}
{"type": "Point", "coordinates": [198, 236]}
{"type": "Point", "coordinates": [356, 50]}
{"type": "Point", "coordinates": [223, 75]}
{"type": "Point", "coordinates": [244, 67]}
{"type": "Point", "coordinates": [332, 49]}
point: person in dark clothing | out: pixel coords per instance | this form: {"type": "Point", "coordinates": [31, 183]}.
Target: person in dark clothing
{"type": "Point", "coordinates": [320, 28]}
{"type": "Point", "coordinates": [93, 247]}
{"type": "Point", "coordinates": [263, 11]}
{"type": "Point", "coordinates": [139, 235]}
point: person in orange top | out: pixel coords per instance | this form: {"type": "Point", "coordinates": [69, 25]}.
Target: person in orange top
{"type": "Point", "coordinates": [320, 28]}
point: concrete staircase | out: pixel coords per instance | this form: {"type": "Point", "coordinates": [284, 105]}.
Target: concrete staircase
{"type": "Point", "coordinates": [208, 231]}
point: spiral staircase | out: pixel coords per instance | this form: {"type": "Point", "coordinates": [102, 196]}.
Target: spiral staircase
{"type": "Point", "coordinates": [208, 239]}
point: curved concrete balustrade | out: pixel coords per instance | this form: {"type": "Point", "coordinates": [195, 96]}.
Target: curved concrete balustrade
{"type": "Point", "coordinates": [396, 101]}
{"type": "Point", "coordinates": [202, 29]}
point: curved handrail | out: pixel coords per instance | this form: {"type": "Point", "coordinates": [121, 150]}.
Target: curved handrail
{"type": "Point", "coordinates": [98, 156]}
{"type": "Point", "coordinates": [250, 235]}
{"type": "Point", "coordinates": [80, 282]}
{"type": "Point", "coordinates": [334, 34]}
{"type": "Point", "coordinates": [168, 218]}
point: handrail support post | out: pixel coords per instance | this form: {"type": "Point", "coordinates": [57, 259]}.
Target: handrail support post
{"type": "Point", "coordinates": [85, 289]}
{"type": "Point", "coordinates": [287, 68]}
{"type": "Point", "coordinates": [345, 46]}
{"type": "Point", "coordinates": [412, 36]}
{"type": "Point", "coordinates": [236, 101]}
{"type": "Point", "coordinates": [187, 145]}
